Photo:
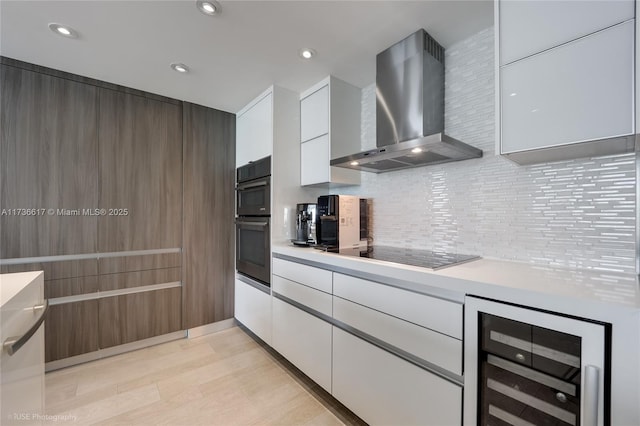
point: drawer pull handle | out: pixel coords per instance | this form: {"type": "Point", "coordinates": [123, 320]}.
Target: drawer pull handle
{"type": "Point", "coordinates": [520, 357]}
{"type": "Point", "coordinates": [561, 397]}
{"type": "Point", "coordinates": [13, 344]}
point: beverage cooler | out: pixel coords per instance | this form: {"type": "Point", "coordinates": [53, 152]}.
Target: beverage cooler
{"type": "Point", "coordinates": [527, 367]}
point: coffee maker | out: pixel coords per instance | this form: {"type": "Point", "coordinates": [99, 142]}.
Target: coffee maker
{"type": "Point", "coordinates": [306, 215]}
{"type": "Point", "coordinates": [342, 222]}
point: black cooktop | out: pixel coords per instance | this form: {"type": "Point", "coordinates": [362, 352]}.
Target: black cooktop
{"type": "Point", "coordinates": [415, 257]}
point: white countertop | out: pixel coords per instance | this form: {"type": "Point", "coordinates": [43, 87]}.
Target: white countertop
{"type": "Point", "coordinates": [595, 295]}
{"type": "Point", "coordinates": [12, 284]}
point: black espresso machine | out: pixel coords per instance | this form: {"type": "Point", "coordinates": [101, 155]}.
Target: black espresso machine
{"type": "Point", "coordinates": [306, 217]}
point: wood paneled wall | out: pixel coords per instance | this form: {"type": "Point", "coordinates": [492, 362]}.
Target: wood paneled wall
{"type": "Point", "coordinates": [70, 142]}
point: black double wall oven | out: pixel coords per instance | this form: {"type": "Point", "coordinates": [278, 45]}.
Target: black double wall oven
{"type": "Point", "coordinates": [253, 217]}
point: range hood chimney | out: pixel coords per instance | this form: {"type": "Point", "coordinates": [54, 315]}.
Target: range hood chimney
{"type": "Point", "coordinates": [409, 111]}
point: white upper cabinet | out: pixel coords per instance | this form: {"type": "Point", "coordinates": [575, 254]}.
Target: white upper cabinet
{"type": "Point", "coordinates": [254, 130]}
{"type": "Point", "coordinates": [314, 114]}
{"type": "Point", "coordinates": [577, 92]}
{"type": "Point", "coordinates": [315, 160]}
{"type": "Point", "coordinates": [329, 129]}
{"type": "Point", "coordinates": [529, 27]}
{"type": "Point", "coordinates": [565, 79]}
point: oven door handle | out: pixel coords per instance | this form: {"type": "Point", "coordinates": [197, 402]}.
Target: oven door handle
{"type": "Point", "coordinates": [252, 185]}
{"type": "Point", "coordinates": [252, 224]}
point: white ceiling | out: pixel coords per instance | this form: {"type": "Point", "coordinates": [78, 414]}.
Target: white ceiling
{"type": "Point", "coordinates": [235, 56]}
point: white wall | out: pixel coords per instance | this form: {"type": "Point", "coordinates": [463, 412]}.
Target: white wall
{"type": "Point", "coordinates": [578, 213]}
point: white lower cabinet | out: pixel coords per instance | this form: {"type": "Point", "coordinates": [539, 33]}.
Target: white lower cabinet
{"type": "Point", "coordinates": [253, 309]}
{"type": "Point", "coordinates": [305, 340]}
{"type": "Point", "coordinates": [384, 389]}
{"type": "Point", "coordinates": [428, 345]}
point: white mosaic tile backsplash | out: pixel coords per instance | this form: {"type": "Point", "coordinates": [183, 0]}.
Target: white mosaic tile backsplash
{"type": "Point", "coordinates": [578, 213]}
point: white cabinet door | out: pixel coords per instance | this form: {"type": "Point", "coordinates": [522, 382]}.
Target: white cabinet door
{"type": "Point", "coordinates": [318, 301]}
{"type": "Point", "coordinates": [253, 309]}
{"type": "Point", "coordinates": [436, 314]}
{"type": "Point", "coordinates": [314, 114]}
{"type": "Point", "coordinates": [315, 161]}
{"type": "Point", "coordinates": [254, 132]}
{"type": "Point", "coordinates": [577, 92]}
{"type": "Point", "coordinates": [304, 340]}
{"type": "Point", "coordinates": [529, 27]}
{"type": "Point", "coordinates": [329, 128]}
{"type": "Point", "coordinates": [385, 390]}
{"type": "Point", "coordinates": [320, 279]}
{"type": "Point", "coordinates": [433, 347]}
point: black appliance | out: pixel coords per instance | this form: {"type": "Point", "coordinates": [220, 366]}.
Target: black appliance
{"type": "Point", "coordinates": [253, 210]}
{"type": "Point", "coordinates": [253, 190]}
{"type": "Point", "coordinates": [342, 221]}
{"type": "Point", "coordinates": [306, 214]}
{"type": "Point", "coordinates": [253, 248]}
{"type": "Point", "coordinates": [528, 384]}
{"type": "Point", "coordinates": [406, 256]}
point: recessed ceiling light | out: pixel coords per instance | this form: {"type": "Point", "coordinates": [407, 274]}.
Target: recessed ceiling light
{"type": "Point", "coordinates": [63, 30]}
{"type": "Point", "coordinates": [209, 7]}
{"type": "Point", "coordinates": [416, 150]}
{"type": "Point", "coordinates": [180, 67]}
{"type": "Point", "coordinates": [354, 163]}
{"type": "Point", "coordinates": [307, 53]}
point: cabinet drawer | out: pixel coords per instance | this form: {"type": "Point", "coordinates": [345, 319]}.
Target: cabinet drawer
{"type": "Point", "coordinates": [304, 340]}
{"type": "Point", "coordinates": [433, 347]}
{"type": "Point", "coordinates": [123, 280]}
{"type": "Point", "coordinates": [70, 287]}
{"type": "Point", "coordinates": [56, 270]}
{"type": "Point", "coordinates": [71, 329]}
{"type": "Point", "coordinates": [302, 294]}
{"type": "Point", "coordinates": [385, 390]}
{"type": "Point", "coordinates": [112, 265]}
{"type": "Point", "coordinates": [436, 314]}
{"type": "Point", "coordinates": [253, 309]}
{"type": "Point", "coordinates": [308, 275]}
{"type": "Point", "coordinates": [578, 92]}
{"type": "Point", "coordinates": [130, 317]}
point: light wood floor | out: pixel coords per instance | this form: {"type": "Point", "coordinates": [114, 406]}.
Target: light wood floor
{"type": "Point", "coordinates": [226, 378]}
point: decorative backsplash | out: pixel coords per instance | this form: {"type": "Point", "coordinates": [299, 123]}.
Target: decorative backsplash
{"type": "Point", "coordinates": [578, 214]}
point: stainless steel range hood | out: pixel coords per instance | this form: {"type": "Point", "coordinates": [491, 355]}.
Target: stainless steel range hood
{"type": "Point", "coordinates": [409, 111]}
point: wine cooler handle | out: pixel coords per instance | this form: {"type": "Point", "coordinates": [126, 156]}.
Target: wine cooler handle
{"type": "Point", "coordinates": [591, 390]}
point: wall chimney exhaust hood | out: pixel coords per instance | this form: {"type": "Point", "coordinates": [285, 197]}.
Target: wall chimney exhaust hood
{"type": "Point", "coordinates": [409, 111]}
